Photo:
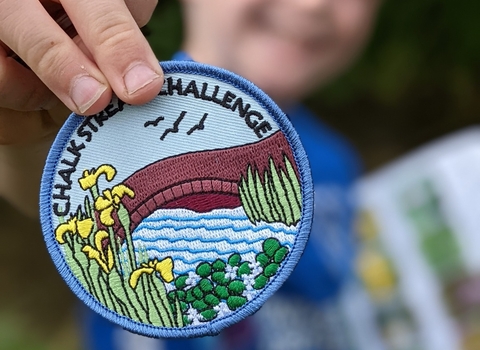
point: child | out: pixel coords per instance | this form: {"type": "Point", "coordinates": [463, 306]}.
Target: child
{"type": "Point", "coordinates": [287, 48]}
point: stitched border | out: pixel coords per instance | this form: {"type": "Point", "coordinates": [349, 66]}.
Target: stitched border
{"type": "Point", "coordinates": [215, 326]}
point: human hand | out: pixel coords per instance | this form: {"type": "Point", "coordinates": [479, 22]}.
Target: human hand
{"type": "Point", "coordinates": [110, 54]}
{"type": "Point", "coordinates": [109, 44]}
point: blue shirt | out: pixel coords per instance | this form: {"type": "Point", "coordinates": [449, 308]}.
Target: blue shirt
{"type": "Point", "coordinates": [318, 277]}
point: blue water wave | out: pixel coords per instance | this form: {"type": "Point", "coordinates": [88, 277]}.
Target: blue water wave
{"type": "Point", "coordinates": [197, 218]}
{"type": "Point", "coordinates": [231, 230]}
{"type": "Point", "coordinates": [203, 240]}
{"type": "Point", "coordinates": [197, 251]}
{"type": "Point", "coordinates": [182, 258]}
{"type": "Point", "coordinates": [215, 228]}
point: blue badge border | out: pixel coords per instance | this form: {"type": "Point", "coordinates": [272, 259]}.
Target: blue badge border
{"type": "Point", "coordinates": [215, 326]}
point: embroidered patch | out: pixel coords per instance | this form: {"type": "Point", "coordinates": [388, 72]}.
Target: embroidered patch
{"type": "Point", "coordinates": [180, 217]}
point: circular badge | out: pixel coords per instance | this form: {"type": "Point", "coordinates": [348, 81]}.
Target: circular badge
{"type": "Point", "coordinates": [180, 217]}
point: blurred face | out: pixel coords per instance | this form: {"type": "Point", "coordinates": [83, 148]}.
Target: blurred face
{"type": "Point", "coordinates": [286, 47]}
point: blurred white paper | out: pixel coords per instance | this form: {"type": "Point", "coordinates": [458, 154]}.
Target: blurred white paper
{"type": "Point", "coordinates": [419, 257]}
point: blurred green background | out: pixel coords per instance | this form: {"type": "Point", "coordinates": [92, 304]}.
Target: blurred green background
{"type": "Point", "coordinates": [418, 79]}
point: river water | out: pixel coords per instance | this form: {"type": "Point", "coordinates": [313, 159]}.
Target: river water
{"type": "Point", "coordinates": [189, 237]}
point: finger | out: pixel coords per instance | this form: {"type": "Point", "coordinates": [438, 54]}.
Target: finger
{"type": "Point", "coordinates": [141, 10]}
{"type": "Point", "coordinates": [20, 88]}
{"type": "Point", "coordinates": [119, 49]}
{"type": "Point", "coordinates": [30, 31]}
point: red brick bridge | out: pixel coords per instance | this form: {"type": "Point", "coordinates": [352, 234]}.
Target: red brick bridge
{"type": "Point", "coordinates": [201, 181]}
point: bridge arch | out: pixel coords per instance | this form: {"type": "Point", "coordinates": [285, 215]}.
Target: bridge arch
{"type": "Point", "coordinates": [200, 181]}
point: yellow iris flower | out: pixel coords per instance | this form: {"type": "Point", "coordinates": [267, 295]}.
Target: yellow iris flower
{"type": "Point", "coordinates": [90, 177]}
{"type": "Point", "coordinates": [74, 226]}
{"type": "Point", "coordinates": [110, 201]}
{"type": "Point", "coordinates": [105, 261]}
{"type": "Point", "coordinates": [164, 268]}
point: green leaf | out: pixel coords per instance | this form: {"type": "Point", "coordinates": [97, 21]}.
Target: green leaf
{"type": "Point", "coordinates": [197, 293]}
{"type": "Point", "coordinates": [205, 285]}
{"type": "Point", "coordinates": [177, 311]}
{"type": "Point", "coordinates": [211, 299]}
{"type": "Point", "coordinates": [222, 292]}
{"type": "Point", "coordinates": [292, 176]}
{"type": "Point", "coordinates": [219, 278]}
{"type": "Point", "coordinates": [260, 282]}
{"type": "Point", "coordinates": [209, 314]}
{"type": "Point", "coordinates": [275, 199]}
{"type": "Point", "coordinates": [266, 213]}
{"type": "Point", "coordinates": [280, 254]}
{"type": "Point", "coordinates": [245, 200]}
{"type": "Point", "coordinates": [234, 259]}
{"type": "Point", "coordinates": [180, 281]}
{"type": "Point", "coordinates": [199, 305]}
{"type": "Point", "coordinates": [236, 287]}
{"type": "Point", "coordinates": [271, 269]}
{"type": "Point", "coordinates": [270, 196]}
{"type": "Point", "coordinates": [204, 269]}
{"type": "Point", "coordinates": [282, 195]}
{"type": "Point", "coordinates": [181, 295]}
{"type": "Point", "coordinates": [129, 296]}
{"type": "Point", "coordinates": [263, 259]}
{"type": "Point", "coordinates": [270, 246]}
{"type": "Point", "coordinates": [88, 207]}
{"type": "Point", "coordinates": [291, 198]}
{"type": "Point", "coordinates": [234, 302]}
{"type": "Point", "coordinates": [183, 306]}
{"type": "Point", "coordinates": [156, 311]}
{"type": "Point", "coordinates": [190, 298]}
{"type": "Point", "coordinates": [244, 269]}
{"type": "Point", "coordinates": [171, 295]}
{"type": "Point", "coordinates": [219, 265]}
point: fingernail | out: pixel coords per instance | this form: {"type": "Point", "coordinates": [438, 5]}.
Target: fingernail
{"type": "Point", "coordinates": [86, 91]}
{"type": "Point", "coordinates": [138, 77]}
